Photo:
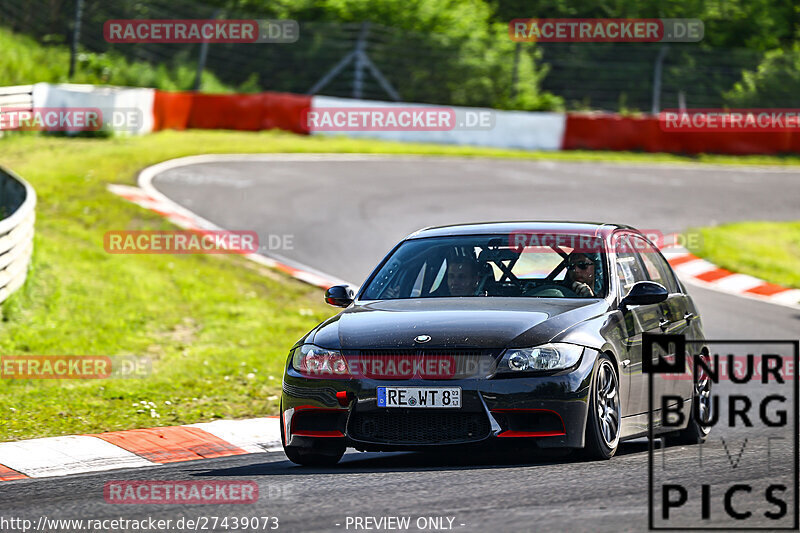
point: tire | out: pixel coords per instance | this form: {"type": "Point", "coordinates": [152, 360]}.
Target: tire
{"type": "Point", "coordinates": [300, 456]}
{"type": "Point", "coordinates": [605, 412]}
{"type": "Point", "coordinates": [696, 432]}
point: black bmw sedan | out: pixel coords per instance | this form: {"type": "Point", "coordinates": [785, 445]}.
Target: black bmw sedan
{"type": "Point", "coordinates": [529, 332]}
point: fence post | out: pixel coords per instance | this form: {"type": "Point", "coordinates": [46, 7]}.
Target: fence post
{"type": "Point", "coordinates": [657, 70]}
{"type": "Point", "coordinates": [515, 71]}
{"type": "Point", "coordinates": [358, 67]}
{"type": "Point", "coordinates": [360, 61]}
{"type": "Point", "coordinates": [201, 61]}
{"type": "Point", "coordinates": [76, 36]}
{"type": "Point", "coordinates": [201, 65]}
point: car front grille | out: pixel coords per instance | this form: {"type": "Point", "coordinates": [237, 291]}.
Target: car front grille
{"type": "Point", "coordinates": [418, 427]}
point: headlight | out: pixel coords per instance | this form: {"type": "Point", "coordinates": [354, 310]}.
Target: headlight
{"type": "Point", "coordinates": [314, 361]}
{"type": "Point", "coordinates": [552, 356]}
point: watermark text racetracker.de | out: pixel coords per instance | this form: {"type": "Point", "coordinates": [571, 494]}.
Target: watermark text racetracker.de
{"type": "Point", "coordinates": [314, 362]}
{"type": "Point", "coordinates": [605, 30]}
{"type": "Point", "coordinates": [147, 524]}
{"type": "Point", "coordinates": [398, 118]}
{"type": "Point", "coordinates": [74, 366]}
{"type": "Point", "coordinates": [588, 242]}
{"type": "Point", "coordinates": [180, 492]}
{"type": "Point", "coordinates": [70, 119]}
{"type": "Point", "coordinates": [201, 31]}
{"type": "Point", "coordinates": [730, 120]}
{"type": "Point", "coordinates": [193, 242]}
{"type": "Point", "coordinates": [180, 242]}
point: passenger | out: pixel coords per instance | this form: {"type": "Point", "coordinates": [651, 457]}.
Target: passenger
{"type": "Point", "coordinates": [582, 276]}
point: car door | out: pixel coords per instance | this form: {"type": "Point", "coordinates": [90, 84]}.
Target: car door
{"type": "Point", "coordinates": [638, 319]}
{"type": "Point", "coordinates": [676, 315]}
{"type": "Point", "coordinates": [674, 307]}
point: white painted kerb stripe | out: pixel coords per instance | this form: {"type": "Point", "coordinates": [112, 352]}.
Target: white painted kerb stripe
{"type": "Point", "coordinates": [694, 268]}
{"type": "Point", "coordinates": [737, 283]}
{"type": "Point", "coordinates": [787, 297]}
{"type": "Point", "coordinates": [253, 435]}
{"type": "Point", "coordinates": [60, 456]}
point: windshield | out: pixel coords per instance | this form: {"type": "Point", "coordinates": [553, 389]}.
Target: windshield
{"type": "Point", "coordinates": [531, 265]}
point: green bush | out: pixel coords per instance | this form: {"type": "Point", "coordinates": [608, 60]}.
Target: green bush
{"type": "Point", "coordinates": [449, 52]}
{"type": "Point", "coordinates": [25, 61]}
{"type": "Point", "coordinates": [775, 83]}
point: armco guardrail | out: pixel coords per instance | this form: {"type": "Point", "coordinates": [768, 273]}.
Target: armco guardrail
{"type": "Point", "coordinates": [17, 207]}
{"type": "Point", "coordinates": [17, 97]}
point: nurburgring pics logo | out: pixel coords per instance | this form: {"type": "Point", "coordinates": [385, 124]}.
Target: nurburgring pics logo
{"type": "Point", "coordinates": [741, 368]}
{"type": "Point", "coordinates": [398, 118]}
{"type": "Point", "coordinates": [730, 120]}
{"type": "Point", "coordinates": [744, 474]}
{"type": "Point", "coordinates": [596, 30]}
{"type": "Point", "coordinates": [200, 31]}
{"type": "Point", "coordinates": [181, 242]}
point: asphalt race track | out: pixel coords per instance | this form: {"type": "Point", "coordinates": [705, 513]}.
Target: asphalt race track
{"type": "Point", "coordinates": [344, 214]}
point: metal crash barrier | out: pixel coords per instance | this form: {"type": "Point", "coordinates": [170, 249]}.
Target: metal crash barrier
{"type": "Point", "coordinates": [17, 217]}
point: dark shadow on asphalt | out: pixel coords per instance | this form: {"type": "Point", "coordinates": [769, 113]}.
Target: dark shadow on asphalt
{"type": "Point", "coordinates": [417, 461]}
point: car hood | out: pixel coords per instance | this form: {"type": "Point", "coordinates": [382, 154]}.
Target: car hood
{"type": "Point", "coordinates": [454, 322]}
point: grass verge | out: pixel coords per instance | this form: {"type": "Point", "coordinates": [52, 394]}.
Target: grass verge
{"type": "Point", "coordinates": [766, 250]}
{"type": "Point", "coordinates": [216, 327]}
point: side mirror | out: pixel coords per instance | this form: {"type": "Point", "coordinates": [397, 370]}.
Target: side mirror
{"type": "Point", "coordinates": [644, 293]}
{"type": "Point", "coordinates": [339, 295]}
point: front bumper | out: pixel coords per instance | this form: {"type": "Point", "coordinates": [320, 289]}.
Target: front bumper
{"type": "Point", "coordinates": [548, 410]}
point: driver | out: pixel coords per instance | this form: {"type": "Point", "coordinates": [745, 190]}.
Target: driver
{"type": "Point", "coordinates": [462, 276]}
{"type": "Point", "coordinates": [581, 274]}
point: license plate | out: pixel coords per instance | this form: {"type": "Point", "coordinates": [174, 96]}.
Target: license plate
{"type": "Point", "coordinates": [416, 397]}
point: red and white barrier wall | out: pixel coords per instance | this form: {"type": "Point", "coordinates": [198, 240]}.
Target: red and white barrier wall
{"type": "Point", "coordinates": [512, 129]}
{"type": "Point", "coordinates": [609, 131]}
{"type": "Point", "coordinates": [107, 99]}
{"type": "Point", "coordinates": [250, 112]}
{"type": "Point", "coordinates": [161, 110]}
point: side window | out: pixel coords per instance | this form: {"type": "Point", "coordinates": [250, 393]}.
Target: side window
{"type": "Point", "coordinates": [629, 268]}
{"type": "Point", "coordinates": [656, 266]}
